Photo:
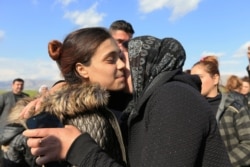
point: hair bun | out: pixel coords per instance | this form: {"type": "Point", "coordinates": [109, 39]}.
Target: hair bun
{"type": "Point", "coordinates": [54, 49]}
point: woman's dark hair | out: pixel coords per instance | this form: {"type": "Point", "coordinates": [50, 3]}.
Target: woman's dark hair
{"type": "Point", "coordinates": [78, 47]}
{"type": "Point", "coordinates": [211, 65]}
{"type": "Point", "coordinates": [233, 83]}
{"type": "Point", "coordinates": [245, 79]}
{"type": "Point", "coordinates": [18, 80]}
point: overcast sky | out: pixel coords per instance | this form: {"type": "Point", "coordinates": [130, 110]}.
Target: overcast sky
{"type": "Point", "coordinates": [219, 27]}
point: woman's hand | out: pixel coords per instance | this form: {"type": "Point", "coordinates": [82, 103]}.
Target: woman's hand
{"type": "Point", "coordinates": [36, 104]}
{"type": "Point", "coordinates": [51, 144]}
{"type": "Point", "coordinates": [32, 106]}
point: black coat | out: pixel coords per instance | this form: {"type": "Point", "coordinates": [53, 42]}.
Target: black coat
{"type": "Point", "coordinates": [173, 126]}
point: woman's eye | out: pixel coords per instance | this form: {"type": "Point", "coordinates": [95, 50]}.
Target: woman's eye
{"type": "Point", "coordinates": [111, 59]}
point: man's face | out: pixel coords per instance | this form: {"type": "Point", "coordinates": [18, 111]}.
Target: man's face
{"type": "Point", "coordinates": [17, 87]}
{"type": "Point", "coordinates": [245, 88]}
{"type": "Point", "coordinates": [120, 37]}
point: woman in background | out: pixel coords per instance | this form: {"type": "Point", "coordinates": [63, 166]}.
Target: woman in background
{"type": "Point", "coordinates": [232, 116]}
{"type": "Point", "coordinates": [245, 90]}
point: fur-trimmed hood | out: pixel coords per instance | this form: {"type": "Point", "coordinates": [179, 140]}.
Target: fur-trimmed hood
{"type": "Point", "coordinates": [71, 100]}
{"type": "Point", "coordinates": [83, 106]}
{"type": "Point", "coordinates": [68, 101]}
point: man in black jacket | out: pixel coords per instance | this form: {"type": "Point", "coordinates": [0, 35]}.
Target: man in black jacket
{"type": "Point", "coordinates": [8, 100]}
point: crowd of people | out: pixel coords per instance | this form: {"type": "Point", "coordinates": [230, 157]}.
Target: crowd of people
{"type": "Point", "coordinates": [126, 101]}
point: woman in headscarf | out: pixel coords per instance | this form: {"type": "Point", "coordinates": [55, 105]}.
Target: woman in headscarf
{"type": "Point", "coordinates": [168, 122]}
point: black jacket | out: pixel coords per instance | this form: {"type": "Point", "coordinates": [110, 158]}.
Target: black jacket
{"type": "Point", "coordinates": [173, 126]}
{"type": "Point", "coordinates": [83, 106]}
{"type": "Point", "coordinates": [15, 152]}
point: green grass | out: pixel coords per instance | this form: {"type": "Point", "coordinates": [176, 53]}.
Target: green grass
{"type": "Point", "coordinates": [32, 93]}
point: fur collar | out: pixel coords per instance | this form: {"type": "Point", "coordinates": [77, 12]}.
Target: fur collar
{"type": "Point", "coordinates": [71, 100]}
{"type": "Point", "coordinates": [68, 101]}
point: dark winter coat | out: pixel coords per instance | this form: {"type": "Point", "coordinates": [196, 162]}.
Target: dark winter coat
{"type": "Point", "coordinates": [169, 123]}
{"type": "Point", "coordinates": [84, 107]}
{"type": "Point", "coordinates": [7, 101]}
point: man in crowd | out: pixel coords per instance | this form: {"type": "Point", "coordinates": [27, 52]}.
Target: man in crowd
{"type": "Point", "coordinates": [9, 99]}
{"type": "Point", "coordinates": [121, 31]}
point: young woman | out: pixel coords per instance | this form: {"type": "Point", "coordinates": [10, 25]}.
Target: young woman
{"type": "Point", "coordinates": [245, 90]}
{"type": "Point", "coordinates": [231, 114]}
{"type": "Point", "coordinates": [89, 60]}
{"type": "Point", "coordinates": [168, 122]}
{"type": "Point", "coordinates": [234, 86]}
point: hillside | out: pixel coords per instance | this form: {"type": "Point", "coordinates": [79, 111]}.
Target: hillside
{"type": "Point", "coordinates": [28, 85]}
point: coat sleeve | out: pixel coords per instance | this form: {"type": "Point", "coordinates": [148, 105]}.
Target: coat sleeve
{"type": "Point", "coordinates": [181, 130]}
{"type": "Point", "coordinates": [85, 152]}
{"type": "Point", "coordinates": [15, 150]}
{"type": "Point", "coordinates": [240, 153]}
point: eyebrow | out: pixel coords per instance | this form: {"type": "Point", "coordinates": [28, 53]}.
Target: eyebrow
{"type": "Point", "coordinates": [121, 40]}
{"type": "Point", "coordinates": [125, 44]}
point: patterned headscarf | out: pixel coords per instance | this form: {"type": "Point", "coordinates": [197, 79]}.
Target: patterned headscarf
{"type": "Point", "coordinates": [150, 56]}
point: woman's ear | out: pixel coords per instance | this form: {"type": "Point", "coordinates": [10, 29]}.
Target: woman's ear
{"type": "Point", "coordinates": [216, 79]}
{"type": "Point", "coordinates": [82, 70]}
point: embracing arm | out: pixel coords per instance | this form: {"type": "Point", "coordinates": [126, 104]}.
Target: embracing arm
{"type": "Point", "coordinates": [85, 152]}
{"type": "Point", "coordinates": [35, 104]}
{"type": "Point", "coordinates": [68, 144]}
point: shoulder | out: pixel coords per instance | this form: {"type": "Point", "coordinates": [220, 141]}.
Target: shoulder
{"type": "Point", "coordinates": [180, 95]}
{"type": "Point", "coordinates": [235, 100]}
{"type": "Point", "coordinates": [177, 100]}
{"type": "Point", "coordinates": [178, 88]}
{"type": "Point", "coordinates": [25, 94]}
{"type": "Point", "coordinates": [7, 94]}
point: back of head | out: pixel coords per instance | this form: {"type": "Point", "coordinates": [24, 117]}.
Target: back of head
{"type": "Point", "coordinates": [210, 64]}
{"type": "Point", "coordinates": [233, 83]}
{"type": "Point", "coordinates": [245, 79]}
{"type": "Point", "coordinates": [123, 26]}
{"type": "Point", "coordinates": [78, 47]}
{"type": "Point", "coordinates": [150, 56]}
